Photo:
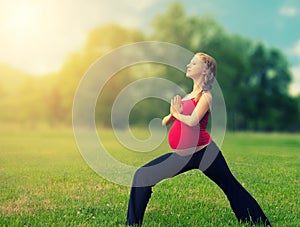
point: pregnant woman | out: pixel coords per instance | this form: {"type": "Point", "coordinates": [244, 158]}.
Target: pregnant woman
{"type": "Point", "coordinates": [193, 149]}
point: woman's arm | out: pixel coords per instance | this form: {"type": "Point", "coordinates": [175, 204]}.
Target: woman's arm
{"type": "Point", "coordinates": [201, 108]}
{"type": "Point", "coordinates": [167, 119]}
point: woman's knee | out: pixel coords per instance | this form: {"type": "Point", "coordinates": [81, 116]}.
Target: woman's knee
{"type": "Point", "coordinates": [142, 177]}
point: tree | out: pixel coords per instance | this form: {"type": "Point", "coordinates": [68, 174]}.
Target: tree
{"type": "Point", "coordinates": [267, 82]}
{"type": "Point", "coordinates": [171, 26]}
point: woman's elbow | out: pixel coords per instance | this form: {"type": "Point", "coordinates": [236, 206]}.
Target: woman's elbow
{"type": "Point", "coordinates": [192, 123]}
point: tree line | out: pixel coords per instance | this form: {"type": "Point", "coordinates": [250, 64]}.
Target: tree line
{"type": "Point", "coordinates": [254, 78]}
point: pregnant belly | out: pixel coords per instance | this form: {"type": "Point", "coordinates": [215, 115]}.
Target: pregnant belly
{"type": "Point", "coordinates": [182, 136]}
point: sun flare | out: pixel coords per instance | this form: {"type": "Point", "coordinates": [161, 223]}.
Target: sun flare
{"type": "Point", "coordinates": [22, 20]}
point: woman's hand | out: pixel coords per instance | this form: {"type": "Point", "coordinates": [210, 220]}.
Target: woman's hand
{"type": "Point", "coordinates": [176, 106]}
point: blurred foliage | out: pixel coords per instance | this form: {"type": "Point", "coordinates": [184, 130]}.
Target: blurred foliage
{"type": "Point", "coordinates": [254, 78]}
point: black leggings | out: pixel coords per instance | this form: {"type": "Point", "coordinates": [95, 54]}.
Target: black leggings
{"type": "Point", "coordinates": [212, 163]}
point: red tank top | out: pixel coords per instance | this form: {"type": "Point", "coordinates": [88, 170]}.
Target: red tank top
{"type": "Point", "coordinates": [182, 136]}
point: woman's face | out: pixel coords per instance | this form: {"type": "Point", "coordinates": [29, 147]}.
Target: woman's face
{"type": "Point", "coordinates": [195, 68]}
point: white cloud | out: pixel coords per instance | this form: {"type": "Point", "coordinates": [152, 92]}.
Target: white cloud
{"type": "Point", "coordinates": [288, 11]}
{"type": "Point", "coordinates": [294, 51]}
{"type": "Point", "coordinates": [296, 48]}
{"type": "Point", "coordinates": [295, 86]}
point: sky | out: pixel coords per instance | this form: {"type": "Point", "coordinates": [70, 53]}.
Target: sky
{"type": "Point", "coordinates": [38, 35]}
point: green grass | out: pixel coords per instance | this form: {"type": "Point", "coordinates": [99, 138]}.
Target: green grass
{"type": "Point", "coordinates": [45, 182]}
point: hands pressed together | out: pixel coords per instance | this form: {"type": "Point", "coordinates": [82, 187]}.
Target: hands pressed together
{"type": "Point", "coordinates": [175, 109]}
{"type": "Point", "coordinates": [176, 106]}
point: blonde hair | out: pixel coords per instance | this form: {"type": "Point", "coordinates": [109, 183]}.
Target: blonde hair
{"type": "Point", "coordinates": [211, 69]}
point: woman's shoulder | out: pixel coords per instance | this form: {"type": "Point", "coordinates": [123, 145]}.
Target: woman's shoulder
{"type": "Point", "coordinates": [207, 95]}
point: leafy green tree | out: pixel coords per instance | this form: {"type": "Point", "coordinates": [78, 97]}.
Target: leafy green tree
{"type": "Point", "coordinates": [268, 83]}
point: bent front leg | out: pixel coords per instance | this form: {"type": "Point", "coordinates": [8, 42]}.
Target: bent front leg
{"type": "Point", "coordinates": [165, 166]}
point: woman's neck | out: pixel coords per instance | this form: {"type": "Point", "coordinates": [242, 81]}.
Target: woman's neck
{"type": "Point", "coordinates": [196, 89]}
{"type": "Point", "coordinates": [194, 93]}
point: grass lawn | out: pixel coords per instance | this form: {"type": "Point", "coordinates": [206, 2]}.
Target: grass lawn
{"type": "Point", "coordinates": [46, 182]}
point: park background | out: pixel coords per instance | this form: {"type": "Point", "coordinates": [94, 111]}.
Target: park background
{"type": "Point", "coordinates": [259, 78]}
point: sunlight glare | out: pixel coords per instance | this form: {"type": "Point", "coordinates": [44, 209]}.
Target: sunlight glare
{"type": "Point", "coordinates": [23, 20]}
